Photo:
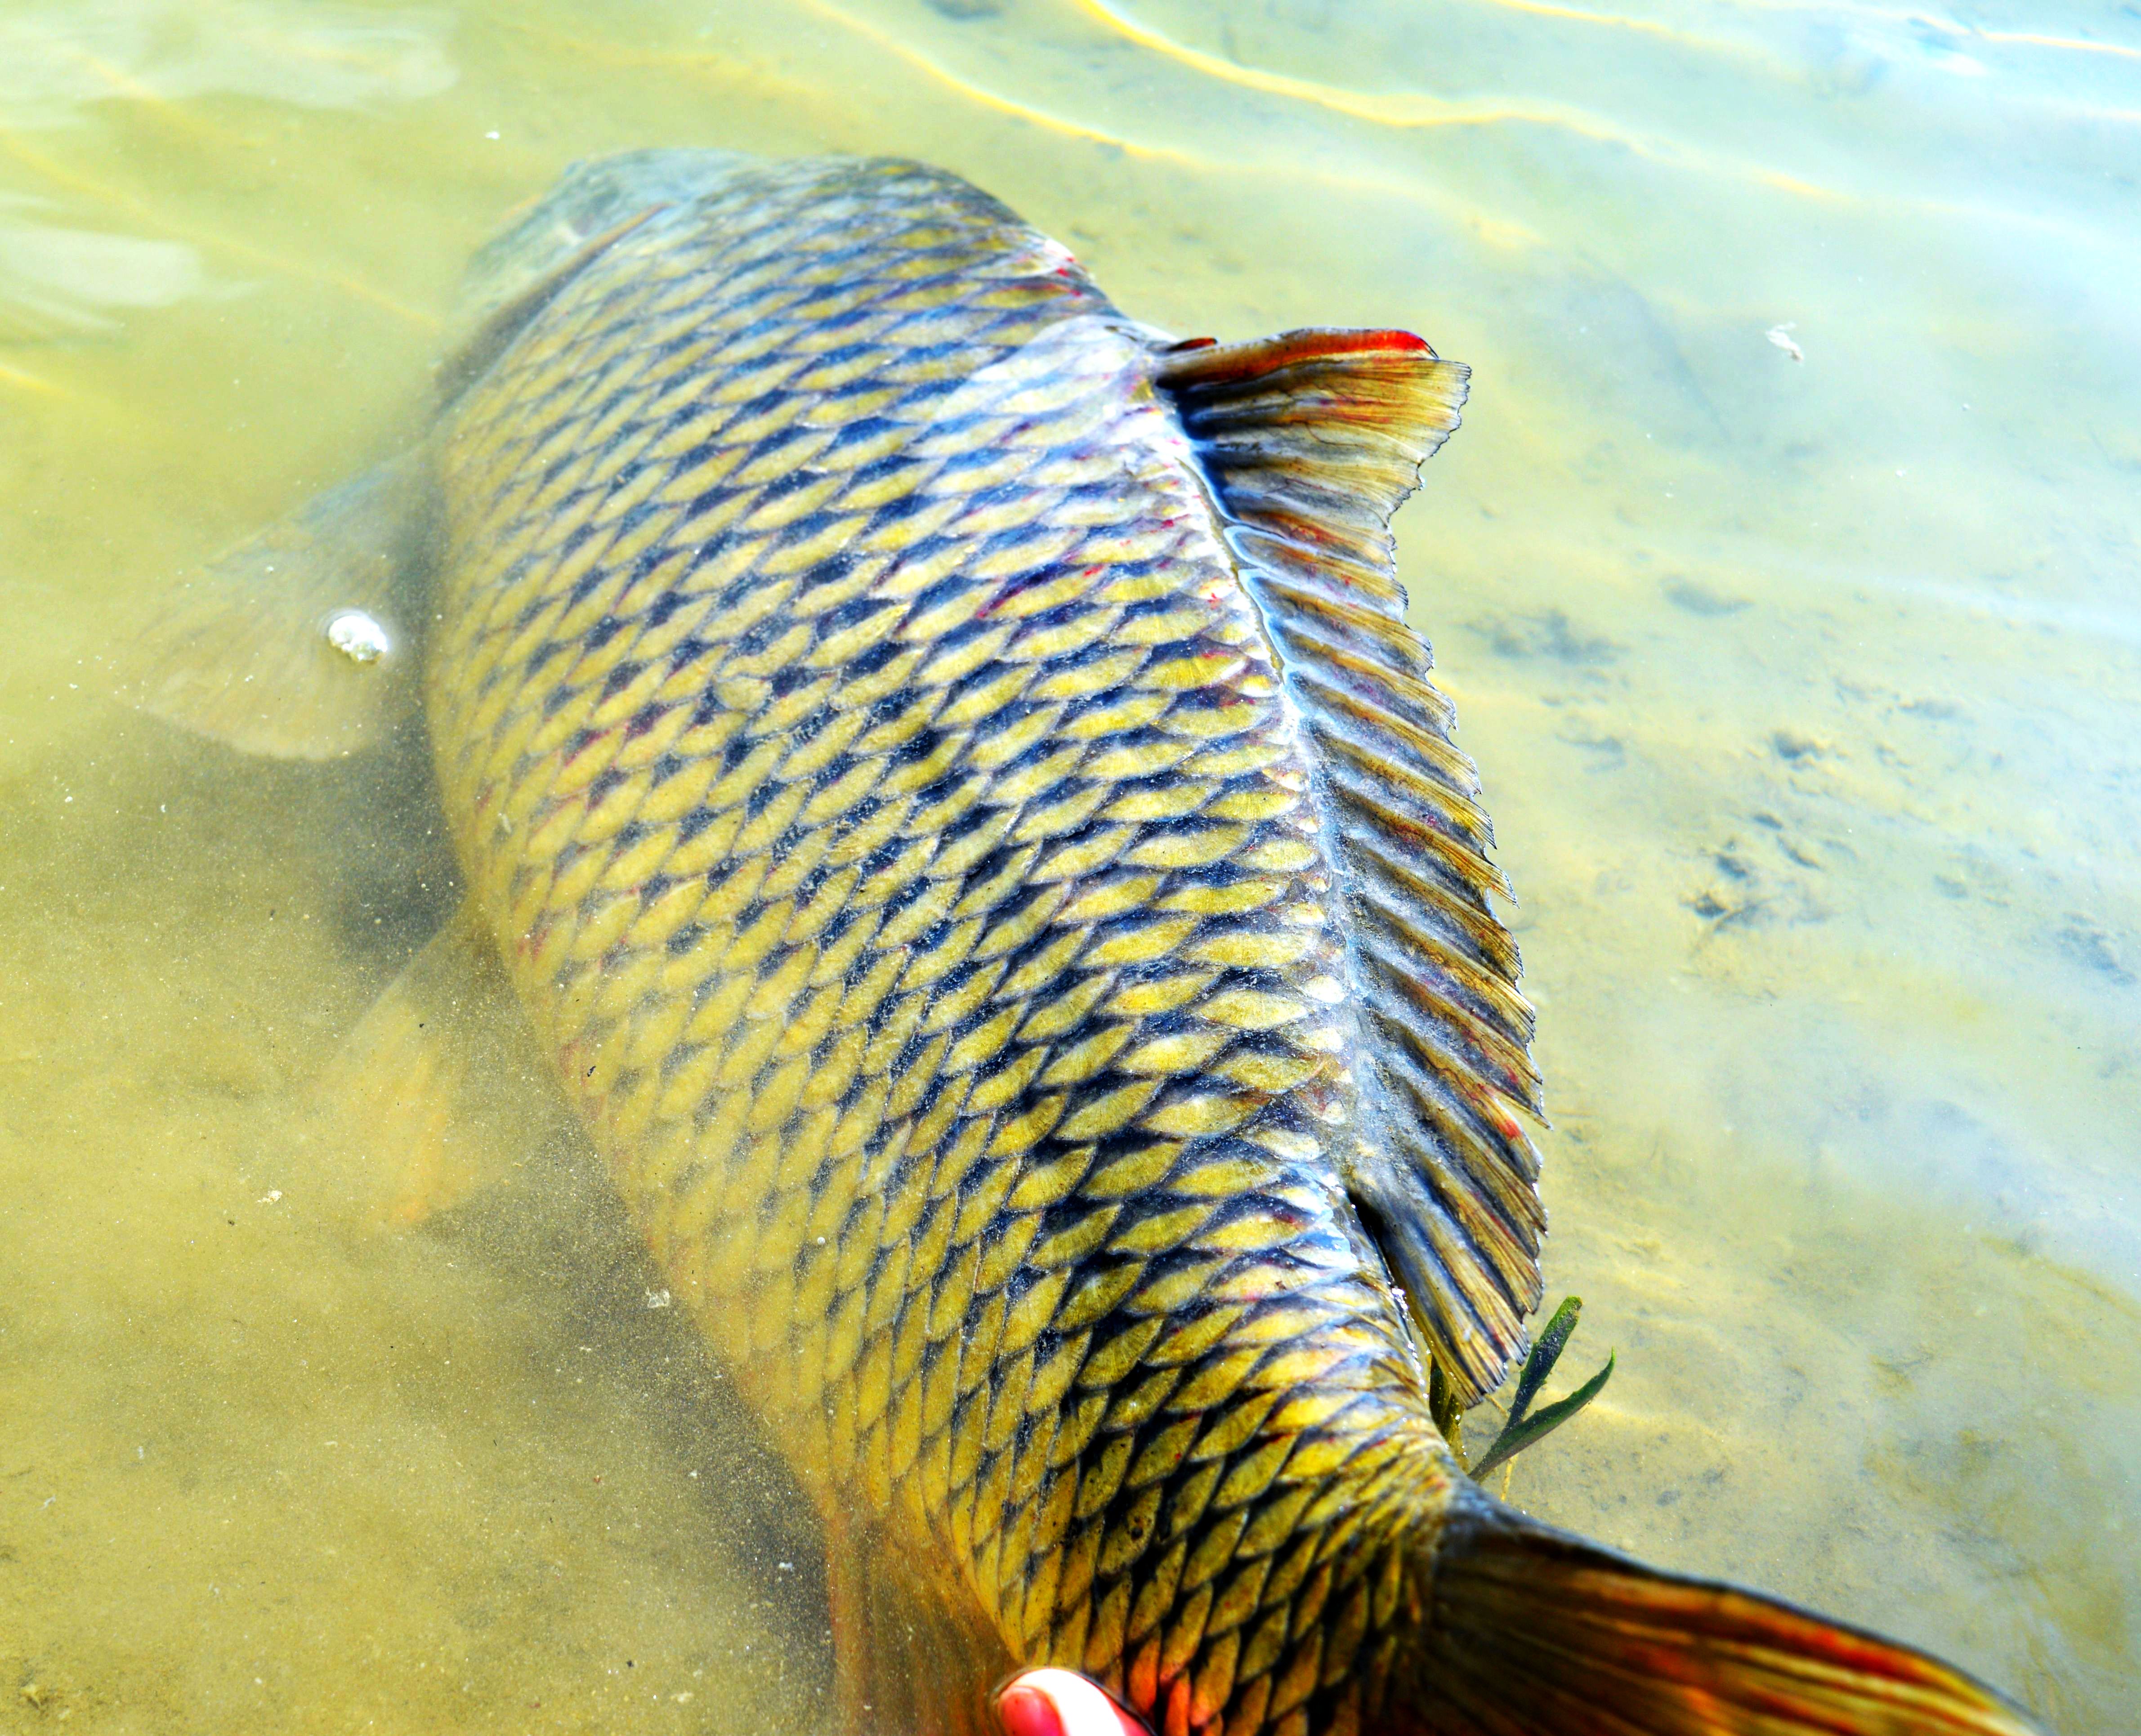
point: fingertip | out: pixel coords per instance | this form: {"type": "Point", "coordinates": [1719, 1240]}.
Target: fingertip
{"type": "Point", "coordinates": [1025, 1710]}
{"type": "Point", "coordinates": [1062, 1702]}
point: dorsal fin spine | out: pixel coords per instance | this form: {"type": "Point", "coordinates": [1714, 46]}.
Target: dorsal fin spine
{"type": "Point", "coordinates": [1488, 939]}
{"type": "Point", "coordinates": [1489, 997]}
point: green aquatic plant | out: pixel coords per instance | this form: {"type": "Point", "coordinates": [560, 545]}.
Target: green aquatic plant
{"type": "Point", "coordinates": [1522, 1429]}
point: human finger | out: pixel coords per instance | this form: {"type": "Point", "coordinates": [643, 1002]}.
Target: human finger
{"type": "Point", "coordinates": [1061, 1702]}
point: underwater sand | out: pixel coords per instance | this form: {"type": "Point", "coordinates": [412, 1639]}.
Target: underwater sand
{"type": "Point", "coordinates": [1805, 692]}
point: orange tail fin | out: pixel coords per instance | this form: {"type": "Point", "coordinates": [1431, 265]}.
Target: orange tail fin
{"type": "Point", "coordinates": [1533, 1632]}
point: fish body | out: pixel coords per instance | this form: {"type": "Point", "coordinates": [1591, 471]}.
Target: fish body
{"type": "Point", "coordinates": [878, 779]}
{"type": "Point", "coordinates": [945, 772]}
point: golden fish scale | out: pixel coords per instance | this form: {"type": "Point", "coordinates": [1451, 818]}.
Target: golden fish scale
{"type": "Point", "coordinates": [874, 773]}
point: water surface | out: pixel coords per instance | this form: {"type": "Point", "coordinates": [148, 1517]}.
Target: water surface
{"type": "Point", "coordinates": [1784, 573]}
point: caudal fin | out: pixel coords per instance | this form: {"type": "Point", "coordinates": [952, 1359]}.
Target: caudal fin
{"type": "Point", "coordinates": [1536, 1633]}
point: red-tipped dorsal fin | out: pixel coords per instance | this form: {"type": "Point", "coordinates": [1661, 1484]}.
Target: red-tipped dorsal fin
{"type": "Point", "coordinates": [1309, 440]}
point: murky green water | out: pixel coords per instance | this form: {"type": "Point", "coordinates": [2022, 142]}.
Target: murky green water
{"type": "Point", "coordinates": [1784, 573]}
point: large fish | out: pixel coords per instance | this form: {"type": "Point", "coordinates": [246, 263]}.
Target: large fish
{"type": "Point", "coordinates": [946, 772]}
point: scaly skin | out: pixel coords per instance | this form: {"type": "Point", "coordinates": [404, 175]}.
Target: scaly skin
{"type": "Point", "coordinates": [872, 770]}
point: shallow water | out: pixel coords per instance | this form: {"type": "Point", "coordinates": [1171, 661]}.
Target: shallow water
{"type": "Point", "coordinates": [1784, 573]}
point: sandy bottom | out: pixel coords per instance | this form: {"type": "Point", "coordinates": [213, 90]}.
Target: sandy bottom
{"type": "Point", "coordinates": [1803, 690]}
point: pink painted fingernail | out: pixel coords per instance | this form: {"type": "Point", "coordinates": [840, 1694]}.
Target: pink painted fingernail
{"type": "Point", "coordinates": [1028, 1711]}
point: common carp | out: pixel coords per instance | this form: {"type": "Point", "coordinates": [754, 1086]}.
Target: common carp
{"type": "Point", "coordinates": [944, 772]}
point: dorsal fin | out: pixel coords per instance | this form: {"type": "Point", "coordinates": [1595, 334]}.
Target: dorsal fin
{"type": "Point", "coordinates": [1309, 441]}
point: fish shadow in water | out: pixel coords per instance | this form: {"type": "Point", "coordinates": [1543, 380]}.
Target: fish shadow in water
{"type": "Point", "coordinates": [558, 1231]}
{"type": "Point", "coordinates": [554, 1226]}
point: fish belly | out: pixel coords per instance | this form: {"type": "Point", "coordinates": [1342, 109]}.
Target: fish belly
{"type": "Point", "coordinates": [876, 779]}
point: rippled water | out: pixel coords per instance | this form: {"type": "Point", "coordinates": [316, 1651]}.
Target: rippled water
{"type": "Point", "coordinates": [1784, 573]}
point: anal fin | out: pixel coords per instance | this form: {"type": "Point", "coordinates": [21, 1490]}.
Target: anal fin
{"type": "Point", "coordinates": [441, 1089]}
{"type": "Point", "coordinates": [908, 1660]}
{"type": "Point", "coordinates": [301, 642]}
